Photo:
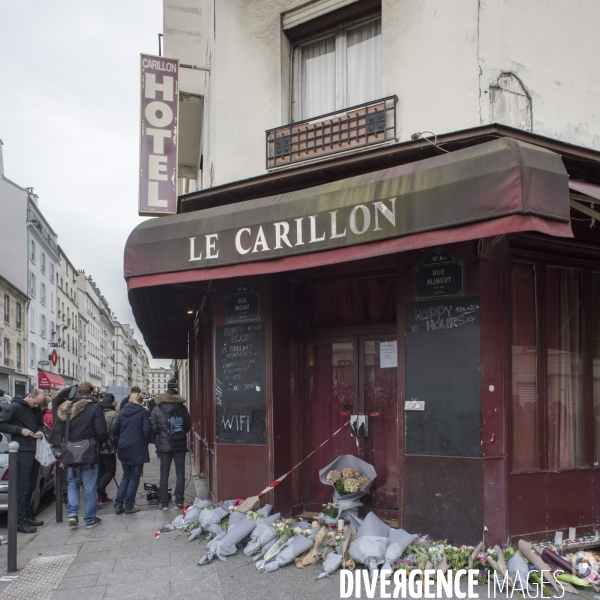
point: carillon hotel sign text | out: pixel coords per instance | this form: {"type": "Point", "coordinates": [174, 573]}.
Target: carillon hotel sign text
{"type": "Point", "coordinates": [297, 235]}
{"type": "Point", "coordinates": [159, 107]}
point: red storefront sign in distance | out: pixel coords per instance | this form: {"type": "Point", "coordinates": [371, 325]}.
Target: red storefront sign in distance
{"type": "Point", "coordinates": [159, 113]}
{"type": "Point", "coordinates": [54, 358]}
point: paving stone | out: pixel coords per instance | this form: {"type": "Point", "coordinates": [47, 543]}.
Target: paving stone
{"type": "Point", "coordinates": [131, 576]}
{"type": "Point", "coordinates": [90, 593]}
{"type": "Point", "coordinates": [81, 581]}
{"type": "Point", "coordinates": [149, 589]}
{"type": "Point", "coordinates": [92, 556]}
{"type": "Point", "coordinates": [92, 567]}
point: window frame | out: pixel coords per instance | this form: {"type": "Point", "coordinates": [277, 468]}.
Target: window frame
{"type": "Point", "coordinates": [542, 263]}
{"type": "Point", "coordinates": [7, 309]}
{"type": "Point", "coordinates": [19, 316]}
{"type": "Point", "coordinates": [340, 33]}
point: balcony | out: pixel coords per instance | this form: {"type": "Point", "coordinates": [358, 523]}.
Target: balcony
{"type": "Point", "coordinates": [349, 129]}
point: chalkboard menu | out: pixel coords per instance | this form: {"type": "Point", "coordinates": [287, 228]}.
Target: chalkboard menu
{"type": "Point", "coordinates": [443, 363]}
{"type": "Point", "coordinates": [241, 381]}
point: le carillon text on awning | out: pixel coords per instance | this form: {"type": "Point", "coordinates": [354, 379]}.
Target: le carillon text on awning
{"type": "Point", "coordinates": [502, 186]}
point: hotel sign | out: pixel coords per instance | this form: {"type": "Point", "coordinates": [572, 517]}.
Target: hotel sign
{"type": "Point", "coordinates": [159, 108]}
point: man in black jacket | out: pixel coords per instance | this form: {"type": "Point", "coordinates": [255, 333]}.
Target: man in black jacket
{"type": "Point", "coordinates": [170, 424]}
{"type": "Point", "coordinates": [23, 420]}
{"type": "Point", "coordinates": [87, 422]}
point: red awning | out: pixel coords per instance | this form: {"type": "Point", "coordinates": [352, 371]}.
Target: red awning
{"type": "Point", "coordinates": [503, 225]}
{"type": "Point", "coordinates": [589, 189]}
{"type": "Point", "coordinates": [50, 381]}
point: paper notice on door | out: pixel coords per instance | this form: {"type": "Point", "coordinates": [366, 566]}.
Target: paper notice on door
{"type": "Point", "coordinates": [388, 354]}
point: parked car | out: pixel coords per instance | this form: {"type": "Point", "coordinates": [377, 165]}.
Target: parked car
{"type": "Point", "coordinates": [45, 480]}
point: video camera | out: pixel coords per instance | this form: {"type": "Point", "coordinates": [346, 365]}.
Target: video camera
{"type": "Point", "coordinates": [153, 493]}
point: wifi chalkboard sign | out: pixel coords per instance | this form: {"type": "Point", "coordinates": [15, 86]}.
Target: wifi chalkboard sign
{"type": "Point", "coordinates": [241, 384]}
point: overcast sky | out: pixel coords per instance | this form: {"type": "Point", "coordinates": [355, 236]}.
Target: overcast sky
{"type": "Point", "coordinates": [69, 111]}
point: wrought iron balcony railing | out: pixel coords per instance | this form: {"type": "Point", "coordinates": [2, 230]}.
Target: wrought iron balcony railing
{"type": "Point", "coordinates": [355, 127]}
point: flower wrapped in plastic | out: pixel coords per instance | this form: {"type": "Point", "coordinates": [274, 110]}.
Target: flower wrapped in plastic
{"type": "Point", "coordinates": [350, 473]}
{"type": "Point", "coordinates": [398, 541]}
{"type": "Point", "coordinates": [225, 544]}
{"type": "Point", "coordinates": [209, 516]}
{"type": "Point", "coordinates": [371, 542]}
{"type": "Point", "coordinates": [194, 510]}
{"type": "Point", "coordinates": [333, 476]}
{"type": "Point", "coordinates": [351, 469]}
{"type": "Point", "coordinates": [214, 530]}
{"type": "Point", "coordinates": [295, 546]}
{"type": "Point", "coordinates": [262, 534]}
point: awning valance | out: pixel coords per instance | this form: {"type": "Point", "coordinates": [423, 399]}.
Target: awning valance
{"type": "Point", "coordinates": [498, 187]}
{"type": "Point", "coordinates": [50, 381]}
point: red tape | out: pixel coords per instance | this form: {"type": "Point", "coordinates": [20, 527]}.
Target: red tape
{"type": "Point", "coordinates": [275, 483]}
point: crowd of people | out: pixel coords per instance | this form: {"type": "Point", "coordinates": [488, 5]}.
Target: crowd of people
{"type": "Point", "coordinates": [91, 430]}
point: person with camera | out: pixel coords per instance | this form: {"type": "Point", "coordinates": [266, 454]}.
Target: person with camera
{"type": "Point", "coordinates": [23, 420]}
{"type": "Point", "coordinates": [132, 429]}
{"type": "Point", "coordinates": [107, 467]}
{"type": "Point", "coordinates": [83, 421]}
{"type": "Point", "coordinates": [170, 426]}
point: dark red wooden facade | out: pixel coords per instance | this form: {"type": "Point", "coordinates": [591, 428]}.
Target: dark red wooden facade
{"type": "Point", "coordinates": [520, 484]}
{"type": "Point", "coordinates": [447, 496]}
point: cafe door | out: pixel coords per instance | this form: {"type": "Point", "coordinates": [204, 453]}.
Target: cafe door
{"type": "Point", "coordinates": [345, 377]}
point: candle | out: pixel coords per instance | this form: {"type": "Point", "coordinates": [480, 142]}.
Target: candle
{"type": "Point", "coordinates": [340, 526]}
{"type": "Point", "coordinates": [558, 538]}
{"type": "Point", "coordinates": [572, 534]}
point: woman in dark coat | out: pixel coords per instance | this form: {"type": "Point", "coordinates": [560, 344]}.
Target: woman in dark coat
{"type": "Point", "coordinates": [133, 431]}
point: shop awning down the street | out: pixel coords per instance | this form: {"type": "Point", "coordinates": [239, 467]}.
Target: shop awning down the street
{"type": "Point", "coordinates": [499, 187]}
{"type": "Point", "coordinates": [50, 381]}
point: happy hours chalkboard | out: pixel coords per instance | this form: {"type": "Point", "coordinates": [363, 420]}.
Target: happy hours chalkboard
{"type": "Point", "coordinates": [443, 369]}
{"type": "Point", "coordinates": [240, 386]}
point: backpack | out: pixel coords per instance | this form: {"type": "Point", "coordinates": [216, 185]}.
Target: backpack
{"type": "Point", "coordinates": [175, 429]}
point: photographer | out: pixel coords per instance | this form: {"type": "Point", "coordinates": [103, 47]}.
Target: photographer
{"type": "Point", "coordinates": [87, 423]}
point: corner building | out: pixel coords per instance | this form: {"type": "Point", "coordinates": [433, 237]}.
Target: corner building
{"type": "Point", "coordinates": [332, 262]}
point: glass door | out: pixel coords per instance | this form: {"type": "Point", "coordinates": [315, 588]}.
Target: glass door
{"type": "Point", "coordinates": [345, 377]}
{"type": "Point", "coordinates": [332, 384]}
{"type": "Point", "coordinates": [379, 402]}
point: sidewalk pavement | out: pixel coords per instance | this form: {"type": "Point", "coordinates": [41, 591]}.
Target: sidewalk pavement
{"type": "Point", "coordinates": [122, 559]}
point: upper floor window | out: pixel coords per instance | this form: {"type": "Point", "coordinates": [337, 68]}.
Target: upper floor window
{"type": "Point", "coordinates": [43, 262]}
{"type": "Point", "coordinates": [51, 301]}
{"type": "Point", "coordinates": [32, 318]}
{"type": "Point", "coordinates": [337, 71]}
{"type": "Point", "coordinates": [32, 251]}
{"type": "Point", "coordinates": [6, 308]}
{"type": "Point", "coordinates": [52, 272]}
{"type": "Point", "coordinates": [19, 315]}
{"type": "Point", "coordinates": [43, 293]}
{"type": "Point", "coordinates": [32, 285]}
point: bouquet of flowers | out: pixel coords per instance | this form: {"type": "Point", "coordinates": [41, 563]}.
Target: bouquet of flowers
{"type": "Point", "coordinates": [351, 479]}
{"type": "Point", "coordinates": [262, 534]}
{"type": "Point", "coordinates": [371, 543]}
{"type": "Point", "coordinates": [331, 510]}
